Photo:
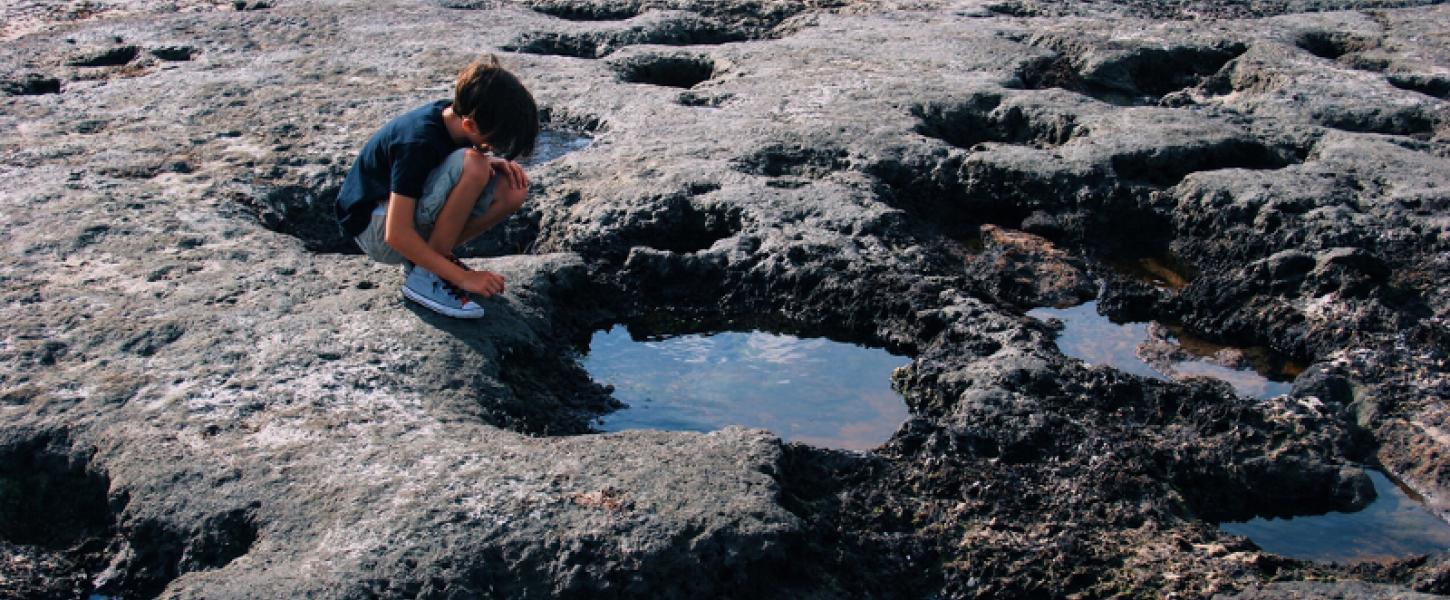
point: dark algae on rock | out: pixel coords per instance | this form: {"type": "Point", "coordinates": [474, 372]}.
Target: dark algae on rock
{"type": "Point", "coordinates": [207, 393]}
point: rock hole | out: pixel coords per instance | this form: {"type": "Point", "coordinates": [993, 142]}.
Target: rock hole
{"type": "Point", "coordinates": [779, 160]}
{"type": "Point", "coordinates": [983, 118]}
{"type": "Point", "coordinates": [677, 70]}
{"type": "Point", "coordinates": [1435, 86]}
{"type": "Point", "coordinates": [587, 11]}
{"type": "Point", "coordinates": [1165, 272]}
{"type": "Point", "coordinates": [559, 44]}
{"type": "Point", "coordinates": [669, 30]}
{"type": "Point", "coordinates": [1134, 76]}
{"type": "Point", "coordinates": [174, 53]}
{"type": "Point", "coordinates": [1056, 71]}
{"type": "Point", "coordinates": [810, 390]}
{"type": "Point", "coordinates": [221, 539]}
{"type": "Point", "coordinates": [103, 57]}
{"type": "Point", "coordinates": [683, 227]}
{"type": "Point", "coordinates": [1332, 45]}
{"type": "Point", "coordinates": [51, 500]}
{"type": "Point", "coordinates": [1166, 167]}
{"type": "Point", "coordinates": [303, 212]}
{"type": "Point", "coordinates": [30, 84]}
{"type": "Point", "coordinates": [1395, 525]}
{"type": "Point", "coordinates": [1166, 352]}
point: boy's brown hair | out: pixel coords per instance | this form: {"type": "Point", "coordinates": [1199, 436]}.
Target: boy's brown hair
{"type": "Point", "coordinates": [500, 104]}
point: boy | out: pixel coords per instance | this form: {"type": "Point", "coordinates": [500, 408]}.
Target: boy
{"type": "Point", "coordinates": [430, 173]}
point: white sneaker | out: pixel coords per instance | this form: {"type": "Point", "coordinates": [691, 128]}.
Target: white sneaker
{"type": "Point", "coordinates": [439, 295]}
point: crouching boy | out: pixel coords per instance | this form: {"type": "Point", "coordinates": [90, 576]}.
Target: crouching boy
{"type": "Point", "coordinates": [431, 179]}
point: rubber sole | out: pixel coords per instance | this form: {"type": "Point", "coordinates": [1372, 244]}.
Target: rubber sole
{"type": "Point", "coordinates": [456, 313]}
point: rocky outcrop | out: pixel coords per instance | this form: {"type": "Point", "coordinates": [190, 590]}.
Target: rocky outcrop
{"type": "Point", "coordinates": [207, 393]}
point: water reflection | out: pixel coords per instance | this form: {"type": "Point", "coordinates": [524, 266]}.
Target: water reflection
{"type": "Point", "coordinates": [1163, 352]}
{"type": "Point", "coordinates": [1158, 272]}
{"type": "Point", "coordinates": [1393, 526]}
{"type": "Point", "coordinates": [553, 143]}
{"type": "Point", "coordinates": [814, 391]}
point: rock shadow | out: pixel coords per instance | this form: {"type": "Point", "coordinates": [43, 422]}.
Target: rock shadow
{"type": "Point", "coordinates": [103, 57]}
{"type": "Point", "coordinates": [570, 10]}
{"type": "Point", "coordinates": [301, 211]}
{"type": "Point", "coordinates": [1333, 45]}
{"type": "Point", "coordinates": [57, 519]}
{"type": "Point", "coordinates": [675, 30]}
{"type": "Point", "coordinates": [982, 118]}
{"type": "Point", "coordinates": [1166, 167]}
{"type": "Point", "coordinates": [50, 499]}
{"type": "Point", "coordinates": [668, 70]}
{"type": "Point", "coordinates": [1434, 86]}
{"type": "Point", "coordinates": [174, 53]}
{"type": "Point", "coordinates": [1284, 487]}
{"type": "Point", "coordinates": [29, 84]}
{"type": "Point", "coordinates": [779, 160]}
{"type": "Point", "coordinates": [1132, 76]}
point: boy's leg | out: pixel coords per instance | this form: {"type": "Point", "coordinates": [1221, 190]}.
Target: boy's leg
{"type": "Point", "coordinates": [506, 200]}
{"type": "Point", "coordinates": [439, 220]}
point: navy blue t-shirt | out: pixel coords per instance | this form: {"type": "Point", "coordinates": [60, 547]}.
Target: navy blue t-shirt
{"type": "Point", "coordinates": [398, 159]}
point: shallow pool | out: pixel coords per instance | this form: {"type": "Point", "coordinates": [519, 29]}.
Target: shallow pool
{"type": "Point", "coordinates": [553, 143]}
{"type": "Point", "coordinates": [1393, 526]}
{"type": "Point", "coordinates": [810, 390]}
{"type": "Point", "coordinates": [1164, 352]}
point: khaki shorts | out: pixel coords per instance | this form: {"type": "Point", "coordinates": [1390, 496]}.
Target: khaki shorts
{"type": "Point", "coordinates": [435, 192]}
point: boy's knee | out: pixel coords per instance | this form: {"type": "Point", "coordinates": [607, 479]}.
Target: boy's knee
{"type": "Point", "coordinates": [511, 199]}
{"type": "Point", "coordinates": [472, 163]}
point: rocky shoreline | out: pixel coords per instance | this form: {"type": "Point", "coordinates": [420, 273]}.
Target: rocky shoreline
{"type": "Point", "coordinates": [208, 394]}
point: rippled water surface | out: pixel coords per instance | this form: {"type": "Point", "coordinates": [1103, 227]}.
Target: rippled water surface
{"type": "Point", "coordinates": [1096, 340]}
{"type": "Point", "coordinates": [1393, 526]}
{"type": "Point", "coordinates": [814, 391]}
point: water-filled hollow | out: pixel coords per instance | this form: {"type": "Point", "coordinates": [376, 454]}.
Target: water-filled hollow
{"type": "Point", "coordinates": [1394, 526]}
{"type": "Point", "coordinates": [815, 391]}
{"type": "Point", "coordinates": [1166, 352]}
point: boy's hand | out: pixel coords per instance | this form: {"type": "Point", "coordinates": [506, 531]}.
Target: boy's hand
{"type": "Point", "coordinates": [477, 166]}
{"type": "Point", "coordinates": [512, 171]}
{"type": "Point", "coordinates": [483, 283]}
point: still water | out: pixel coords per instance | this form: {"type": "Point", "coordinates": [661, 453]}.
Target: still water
{"type": "Point", "coordinates": [1393, 526]}
{"type": "Point", "coordinates": [813, 391]}
{"type": "Point", "coordinates": [553, 143]}
{"type": "Point", "coordinates": [1163, 352]}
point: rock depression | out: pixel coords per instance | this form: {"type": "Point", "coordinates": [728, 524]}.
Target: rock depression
{"type": "Point", "coordinates": [207, 393]}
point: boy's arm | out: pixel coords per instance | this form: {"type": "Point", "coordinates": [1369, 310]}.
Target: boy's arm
{"type": "Point", "coordinates": [400, 233]}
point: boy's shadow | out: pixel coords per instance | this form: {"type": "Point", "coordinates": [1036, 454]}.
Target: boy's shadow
{"type": "Point", "coordinates": [499, 324]}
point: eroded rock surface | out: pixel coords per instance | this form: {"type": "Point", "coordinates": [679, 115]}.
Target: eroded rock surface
{"type": "Point", "coordinates": [232, 403]}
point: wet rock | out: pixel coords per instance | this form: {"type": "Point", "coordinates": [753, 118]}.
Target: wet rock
{"type": "Point", "coordinates": [1028, 270]}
